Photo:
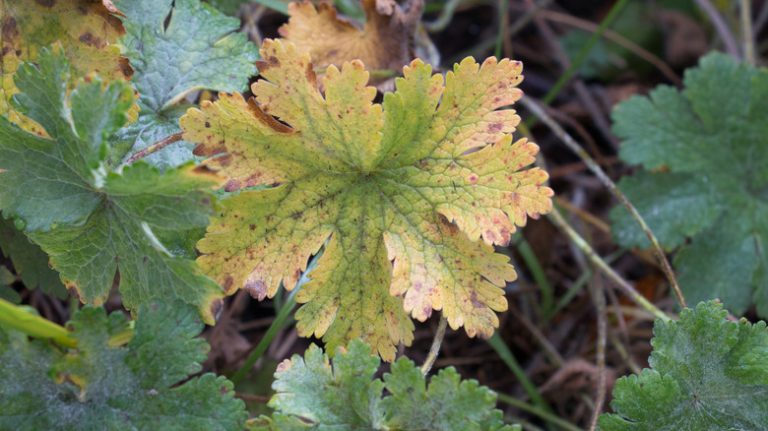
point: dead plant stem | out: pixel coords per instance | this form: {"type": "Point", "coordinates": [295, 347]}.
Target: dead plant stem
{"type": "Point", "coordinates": [622, 198]}
{"type": "Point", "coordinates": [434, 350]}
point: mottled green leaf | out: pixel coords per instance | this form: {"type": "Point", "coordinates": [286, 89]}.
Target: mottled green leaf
{"type": "Point", "coordinates": [93, 219]}
{"type": "Point", "coordinates": [100, 385]}
{"type": "Point", "coordinates": [175, 48]}
{"type": "Point", "coordinates": [707, 374]}
{"type": "Point", "coordinates": [312, 394]}
{"type": "Point", "coordinates": [705, 188]}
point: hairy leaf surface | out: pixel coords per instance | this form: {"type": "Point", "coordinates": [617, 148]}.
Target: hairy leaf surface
{"type": "Point", "coordinates": [93, 219]}
{"type": "Point", "coordinates": [102, 384]}
{"type": "Point", "coordinates": [312, 394]}
{"type": "Point", "coordinates": [414, 182]}
{"type": "Point", "coordinates": [705, 152]}
{"type": "Point", "coordinates": [707, 374]}
{"type": "Point", "coordinates": [175, 48]}
{"type": "Point", "coordinates": [84, 30]}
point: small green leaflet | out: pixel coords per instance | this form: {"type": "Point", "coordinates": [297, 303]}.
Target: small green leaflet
{"type": "Point", "coordinates": [103, 386]}
{"type": "Point", "coordinates": [707, 374]}
{"type": "Point", "coordinates": [96, 220]}
{"type": "Point", "coordinates": [705, 152]}
{"type": "Point", "coordinates": [198, 49]}
{"type": "Point", "coordinates": [312, 394]}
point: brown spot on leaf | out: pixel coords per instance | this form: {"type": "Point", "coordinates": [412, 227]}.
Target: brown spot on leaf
{"type": "Point", "coordinates": [228, 281]}
{"type": "Point", "coordinates": [46, 3]}
{"type": "Point", "coordinates": [232, 185]}
{"type": "Point", "coordinates": [256, 288]}
{"type": "Point", "coordinates": [495, 127]}
{"type": "Point", "coordinates": [9, 28]}
{"type": "Point", "coordinates": [89, 39]}
{"type": "Point", "coordinates": [310, 73]}
{"type": "Point", "coordinates": [475, 302]}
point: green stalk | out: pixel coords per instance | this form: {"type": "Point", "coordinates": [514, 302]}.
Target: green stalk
{"type": "Point", "coordinates": [19, 318]}
{"type": "Point", "coordinates": [503, 24]}
{"type": "Point", "coordinates": [509, 359]}
{"type": "Point", "coordinates": [281, 321]}
{"type": "Point", "coordinates": [537, 271]}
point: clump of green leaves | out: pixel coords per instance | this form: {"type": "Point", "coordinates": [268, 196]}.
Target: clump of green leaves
{"type": "Point", "coordinates": [312, 394]}
{"type": "Point", "coordinates": [707, 374]}
{"type": "Point", "coordinates": [704, 186]}
{"type": "Point", "coordinates": [104, 383]}
{"type": "Point", "coordinates": [93, 217]}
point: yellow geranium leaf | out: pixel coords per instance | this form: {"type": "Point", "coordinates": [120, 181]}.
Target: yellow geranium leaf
{"type": "Point", "coordinates": [409, 196]}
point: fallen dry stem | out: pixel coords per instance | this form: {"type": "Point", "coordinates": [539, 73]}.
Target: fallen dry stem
{"type": "Point", "coordinates": [557, 219]}
{"type": "Point", "coordinates": [611, 186]}
{"type": "Point", "coordinates": [157, 146]}
{"type": "Point", "coordinates": [434, 350]}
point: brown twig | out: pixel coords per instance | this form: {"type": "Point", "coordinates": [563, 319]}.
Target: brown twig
{"type": "Point", "coordinates": [434, 350]}
{"type": "Point", "coordinates": [157, 146]}
{"type": "Point", "coordinates": [745, 7]}
{"type": "Point", "coordinates": [598, 298]}
{"type": "Point", "coordinates": [731, 47]}
{"type": "Point", "coordinates": [558, 220]}
{"type": "Point", "coordinates": [616, 38]}
{"type": "Point", "coordinates": [611, 186]}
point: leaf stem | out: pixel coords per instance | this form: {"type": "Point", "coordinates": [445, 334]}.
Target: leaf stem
{"type": "Point", "coordinates": [731, 47]}
{"type": "Point", "coordinates": [281, 320]}
{"type": "Point", "coordinates": [157, 146]}
{"type": "Point", "coordinates": [434, 350]}
{"type": "Point", "coordinates": [19, 318]}
{"type": "Point", "coordinates": [746, 30]}
{"type": "Point", "coordinates": [593, 166]}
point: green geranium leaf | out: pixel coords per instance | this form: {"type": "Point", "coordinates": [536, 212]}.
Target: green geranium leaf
{"type": "Point", "coordinates": [707, 374]}
{"type": "Point", "coordinates": [704, 150]}
{"type": "Point", "coordinates": [312, 394]}
{"type": "Point", "coordinates": [96, 220]}
{"type": "Point", "coordinates": [175, 48]}
{"type": "Point", "coordinates": [100, 385]}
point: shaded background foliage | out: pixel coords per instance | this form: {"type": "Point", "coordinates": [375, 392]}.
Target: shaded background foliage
{"type": "Point", "coordinates": [546, 348]}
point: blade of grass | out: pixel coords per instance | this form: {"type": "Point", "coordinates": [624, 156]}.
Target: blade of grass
{"type": "Point", "coordinates": [581, 56]}
{"type": "Point", "coordinates": [18, 317]}
{"type": "Point", "coordinates": [281, 320]}
{"type": "Point", "coordinates": [537, 272]}
{"type": "Point", "coordinates": [509, 359]}
{"type": "Point", "coordinates": [503, 8]}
